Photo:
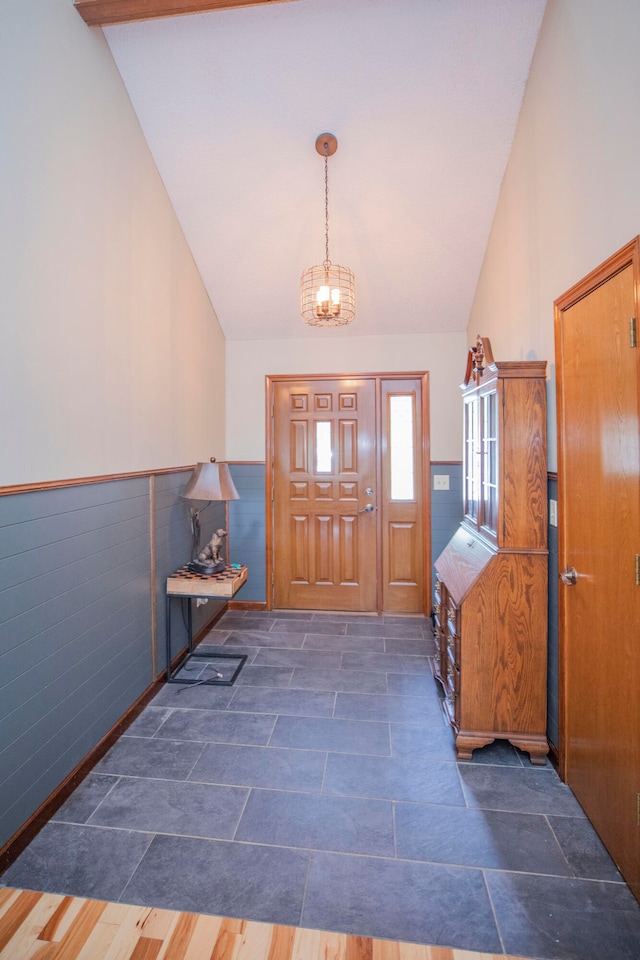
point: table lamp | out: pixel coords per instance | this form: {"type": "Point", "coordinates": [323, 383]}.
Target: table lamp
{"type": "Point", "coordinates": [209, 481]}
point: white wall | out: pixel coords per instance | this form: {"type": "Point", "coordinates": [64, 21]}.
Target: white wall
{"type": "Point", "coordinates": [249, 361]}
{"type": "Point", "coordinates": [112, 359]}
{"type": "Point", "coordinates": [571, 194]}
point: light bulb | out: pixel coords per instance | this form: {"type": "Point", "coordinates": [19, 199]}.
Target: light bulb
{"type": "Point", "coordinates": [323, 294]}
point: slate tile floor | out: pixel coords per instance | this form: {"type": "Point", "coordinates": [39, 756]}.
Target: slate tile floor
{"type": "Point", "coordinates": [322, 790]}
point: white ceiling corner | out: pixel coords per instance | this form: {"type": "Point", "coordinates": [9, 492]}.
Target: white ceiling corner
{"type": "Point", "coordinates": [423, 96]}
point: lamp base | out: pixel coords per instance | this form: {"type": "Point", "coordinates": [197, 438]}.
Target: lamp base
{"type": "Point", "coordinates": [197, 566]}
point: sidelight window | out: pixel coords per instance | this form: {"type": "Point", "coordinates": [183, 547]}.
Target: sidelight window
{"type": "Point", "coordinates": [401, 444]}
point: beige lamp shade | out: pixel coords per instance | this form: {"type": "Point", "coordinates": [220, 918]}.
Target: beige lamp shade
{"type": "Point", "coordinates": [211, 481]}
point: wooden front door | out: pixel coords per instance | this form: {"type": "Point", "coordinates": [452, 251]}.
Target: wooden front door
{"type": "Point", "coordinates": [599, 477]}
{"type": "Point", "coordinates": [347, 477]}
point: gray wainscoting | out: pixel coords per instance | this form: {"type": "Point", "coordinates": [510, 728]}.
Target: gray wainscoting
{"type": "Point", "coordinates": [446, 509]}
{"type": "Point", "coordinates": [75, 634]}
{"type": "Point", "coordinates": [247, 531]}
{"type": "Point", "coordinates": [76, 625]}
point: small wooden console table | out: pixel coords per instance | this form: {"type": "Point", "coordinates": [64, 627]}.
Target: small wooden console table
{"type": "Point", "coordinates": [192, 586]}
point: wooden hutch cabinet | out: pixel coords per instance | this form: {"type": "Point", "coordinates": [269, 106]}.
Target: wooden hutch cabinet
{"type": "Point", "coordinates": [491, 579]}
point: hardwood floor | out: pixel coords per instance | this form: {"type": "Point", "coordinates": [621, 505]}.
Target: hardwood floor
{"type": "Point", "coordinates": [47, 926]}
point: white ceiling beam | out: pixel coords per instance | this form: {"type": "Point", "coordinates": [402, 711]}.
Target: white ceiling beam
{"type": "Point", "coordinates": [98, 13]}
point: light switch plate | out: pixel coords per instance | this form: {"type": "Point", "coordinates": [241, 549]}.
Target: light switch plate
{"type": "Point", "coordinates": [553, 513]}
{"type": "Point", "coordinates": [441, 481]}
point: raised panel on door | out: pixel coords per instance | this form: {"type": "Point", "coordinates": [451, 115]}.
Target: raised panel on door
{"type": "Point", "coordinates": [349, 556]}
{"type": "Point", "coordinates": [323, 550]}
{"type": "Point", "coordinates": [299, 446]}
{"type": "Point", "coordinates": [599, 474]}
{"type": "Point", "coordinates": [299, 546]}
{"type": "Point", "coordinates": [402, 548]}
{"type": "Point", "coordinates": [348, 446]}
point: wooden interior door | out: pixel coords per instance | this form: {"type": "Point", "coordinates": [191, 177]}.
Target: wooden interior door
{"type": "Point", "coordinates": [325, 543]}
{"type": "Point", "coordinates": [349, 479]}
{"type": "Point", "coordinates": [599, 493]}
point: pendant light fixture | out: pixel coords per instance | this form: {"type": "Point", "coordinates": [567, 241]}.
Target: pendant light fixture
{"type": "Point", "coordinates": [327, 291]}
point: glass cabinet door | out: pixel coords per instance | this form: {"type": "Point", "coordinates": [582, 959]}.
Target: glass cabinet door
{"type": "Point", "coordinates": [472, 485]}
{"type": "Point", "coordinates": [489, 462]}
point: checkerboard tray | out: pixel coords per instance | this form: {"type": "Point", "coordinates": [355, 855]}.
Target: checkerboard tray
{"type": "Point", "coordinates": [183, 583]}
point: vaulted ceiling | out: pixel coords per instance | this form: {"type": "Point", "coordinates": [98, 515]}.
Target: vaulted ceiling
{"type": "Point", "coordinates": [423, 97]}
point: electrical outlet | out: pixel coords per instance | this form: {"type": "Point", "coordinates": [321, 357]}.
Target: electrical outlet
{"type": "Point", "coordinates": [441, 481]}
{"type": "Point", "coordinates": [553, 513]}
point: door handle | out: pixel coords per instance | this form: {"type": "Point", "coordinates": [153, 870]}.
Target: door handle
{"type": "Point", "coordinates": [569, 576]}
{"type": "Point", "coordinates": [368, 509]}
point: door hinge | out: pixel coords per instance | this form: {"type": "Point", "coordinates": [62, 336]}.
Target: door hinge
{"type": "Point", "coordinates": [638, 809]}
{"type": "Point", "coordinates": [632, 332]}
{"type": "Point", "coordinates": [637, 569]}
{"type": "Point", "coordinates": [273, 579]}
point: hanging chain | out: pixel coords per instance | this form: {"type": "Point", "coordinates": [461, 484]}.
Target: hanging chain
{"type": "Point", "coordinates": [326, 205]}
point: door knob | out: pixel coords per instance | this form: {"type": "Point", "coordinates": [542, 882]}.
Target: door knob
{"type": "Point", "coordinates": [368, 509]}
{"type": "Point", "coordinates": [569, 576]}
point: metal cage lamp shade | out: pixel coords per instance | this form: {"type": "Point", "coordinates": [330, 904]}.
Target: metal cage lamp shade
{"type": "Point", "coordinates": [327, 290]}
{"type": "Point", "coordinates": [209, 481]}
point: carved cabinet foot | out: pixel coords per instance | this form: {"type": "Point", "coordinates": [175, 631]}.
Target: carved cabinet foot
{"type": "Point", "coordinates": [465, 745]}
{"type": "Point", "coordinates": [537, 749]}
